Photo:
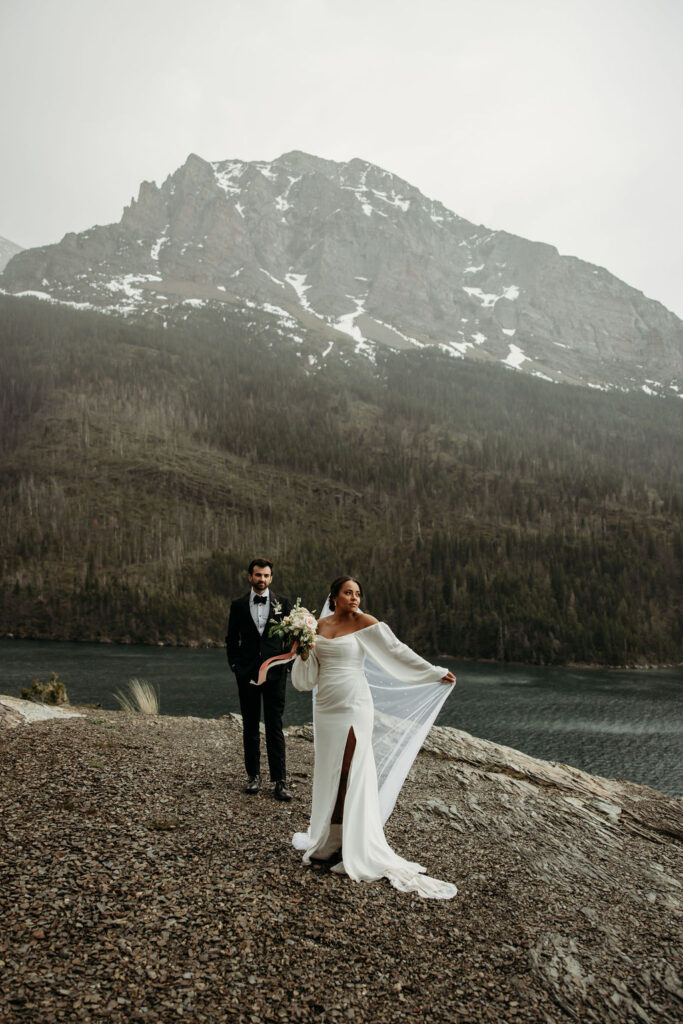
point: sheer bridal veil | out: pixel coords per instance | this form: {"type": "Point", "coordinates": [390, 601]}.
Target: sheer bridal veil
{"type": "Point", "coordinates": [403, 717]}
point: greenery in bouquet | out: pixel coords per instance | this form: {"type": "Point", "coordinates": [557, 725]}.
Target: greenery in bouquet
{"type": "Point", "coordinates": [298, 627]}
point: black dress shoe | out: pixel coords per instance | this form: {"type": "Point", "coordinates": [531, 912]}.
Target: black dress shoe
{"type": "Point", "coordinates": [253, 785]}
{"type": "Point", "coordinates": [281, 792]}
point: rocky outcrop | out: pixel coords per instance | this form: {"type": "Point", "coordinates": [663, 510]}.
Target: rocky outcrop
{"type": "Point", "coordinates": [361, 256]}
{"type": "Point", "coordinates": [14, 712]}
{"type": "Point", "coordinates": [610, 848]}
{"type": "Point", "coordinates": [140, 883]}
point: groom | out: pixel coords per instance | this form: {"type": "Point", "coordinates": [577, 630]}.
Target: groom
{"type": "Point", "coordinates": [248, 646]}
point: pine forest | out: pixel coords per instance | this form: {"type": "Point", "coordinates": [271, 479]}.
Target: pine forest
{"type": "Point", "coordinates": [487, 514]}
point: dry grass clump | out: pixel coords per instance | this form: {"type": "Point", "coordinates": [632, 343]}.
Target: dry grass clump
{"type": "Point", "coordinates": [142, 698]}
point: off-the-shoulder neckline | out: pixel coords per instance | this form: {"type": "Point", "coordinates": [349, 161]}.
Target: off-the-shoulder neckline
{"type": "Point", "coordinates": [343, 636]}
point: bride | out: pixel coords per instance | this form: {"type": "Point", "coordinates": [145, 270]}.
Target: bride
{"type": "Point", "coordinates": [346, 815]}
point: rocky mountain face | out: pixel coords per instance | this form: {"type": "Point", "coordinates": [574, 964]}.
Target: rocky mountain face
{"type": "Point", "coordinates": [355, 255]}
{"type": "Point", "coordinates": [7, 251]}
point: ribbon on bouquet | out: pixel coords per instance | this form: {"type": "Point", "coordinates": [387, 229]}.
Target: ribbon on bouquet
{"type": "Point", "coordinates": [278, 659]}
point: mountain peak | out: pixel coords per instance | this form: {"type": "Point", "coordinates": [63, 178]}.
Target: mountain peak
{"type": "Point", "coordinates": [299, 158]}
{"type": "Point", "coordinates": [8, 249]}
{"type": "Point", "coordinates": [354, 255]}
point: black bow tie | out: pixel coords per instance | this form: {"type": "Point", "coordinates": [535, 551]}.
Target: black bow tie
{"type": "Point", "coordinates": [260, 600]}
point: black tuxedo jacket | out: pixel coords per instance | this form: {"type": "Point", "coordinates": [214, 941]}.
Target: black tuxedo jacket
{"type": "Point", "coordinates": [246, 648]}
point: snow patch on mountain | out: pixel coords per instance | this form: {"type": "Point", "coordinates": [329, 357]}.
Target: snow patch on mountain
{"type": "Point", "coordinates": [489, 299]}
{"type": "Point", "coordinates": [156, 248]}
{"type": "Point", "coordinates": [347, 323]}
{"type": "Point", "coordinates": [298, 283]}
{"type": "Point", "coordinates": [391, 327]}
{"type": "Point", "coordinates": [275, 280]}
{"type": "Point", "coordinates": [461, 347]}
{"type": "Point", "coordinates": [266, 170]}
{"type": "Point", "coordinates": [128, 281]}
{"type": "Point", "coordinates": [227, 176]}
{"type": "Point", "coordinates": [365, 196]}
{"type": "Point", "coordinates": [133, 296]}
{"type": "Point", "coordinates": [285, 318]}
{"type": "Point", "coordinates": [45, 297]}
{"type": "Point", "coordinates": [515, 357]}
{"type": "Point", "coordinates": [282, 201]}
{"type": "Point", "coordinates": [452, 349]}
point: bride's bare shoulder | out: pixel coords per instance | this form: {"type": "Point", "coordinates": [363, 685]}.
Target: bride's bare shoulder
{"type": "Point", "coordinates": [364, 620]}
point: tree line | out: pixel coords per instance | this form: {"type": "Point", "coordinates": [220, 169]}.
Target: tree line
{"type": "Point", "coordinates": [487, 514]}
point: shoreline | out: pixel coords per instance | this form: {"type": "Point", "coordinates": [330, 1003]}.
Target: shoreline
{"type": "Point", "coordinates": [209, 644]}
{"type": "Point", "coordinates": [446, 741]}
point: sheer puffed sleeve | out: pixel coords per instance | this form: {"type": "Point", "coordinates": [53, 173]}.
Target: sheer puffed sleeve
{"type": "Point", "coordinates": [396, 658]}
{"type": "Point", "coordinates": [305, 673]}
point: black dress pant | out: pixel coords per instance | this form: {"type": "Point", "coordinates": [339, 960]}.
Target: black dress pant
{"type": "Point", "coordinates": [272, 693]}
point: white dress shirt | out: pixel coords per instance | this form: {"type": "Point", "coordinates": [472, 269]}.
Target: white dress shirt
{"type": "Point", "coordinates": [260, 612]}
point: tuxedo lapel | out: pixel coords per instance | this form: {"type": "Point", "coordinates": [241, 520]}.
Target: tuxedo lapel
{"type": "Point", "coordinates": [248, 624]}
{"type": "Point", "coordinates": [246, 612]}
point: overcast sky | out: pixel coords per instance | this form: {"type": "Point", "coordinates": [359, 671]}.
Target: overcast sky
{"type": "Point", "coordinates": [558, 120]}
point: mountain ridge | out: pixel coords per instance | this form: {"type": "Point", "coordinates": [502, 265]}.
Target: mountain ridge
{"type": "Point", "coordinates": [360, 258]}
{"type": "Point", "coordinates": [8, 249]}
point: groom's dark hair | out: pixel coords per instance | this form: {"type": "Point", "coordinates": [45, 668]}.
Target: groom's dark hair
{"type": "Point", "coordinates": [262, 563]}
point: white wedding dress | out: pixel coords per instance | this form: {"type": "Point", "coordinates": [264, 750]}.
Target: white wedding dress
{"type": "Point", "coordinates": [344, 701]}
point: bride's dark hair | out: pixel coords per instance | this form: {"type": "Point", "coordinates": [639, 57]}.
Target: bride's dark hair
{"type": "Point", "coordinates": [336, 585]}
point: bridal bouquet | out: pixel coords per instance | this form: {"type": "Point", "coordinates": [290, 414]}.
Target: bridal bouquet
{"type": "Point", "coordinates": [299, 627]}
{"type": "Point", "coordinates": [296, 630]}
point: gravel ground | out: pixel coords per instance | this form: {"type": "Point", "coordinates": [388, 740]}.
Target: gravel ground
{"type": "Point", "coordinates": [138, 883]}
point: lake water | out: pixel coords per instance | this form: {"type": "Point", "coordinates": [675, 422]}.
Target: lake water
{"type": "Point", "coordinates": [619, 724]}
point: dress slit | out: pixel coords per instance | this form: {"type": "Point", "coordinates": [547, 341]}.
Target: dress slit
{"type": "Point", "coordinates": [338, 810]}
